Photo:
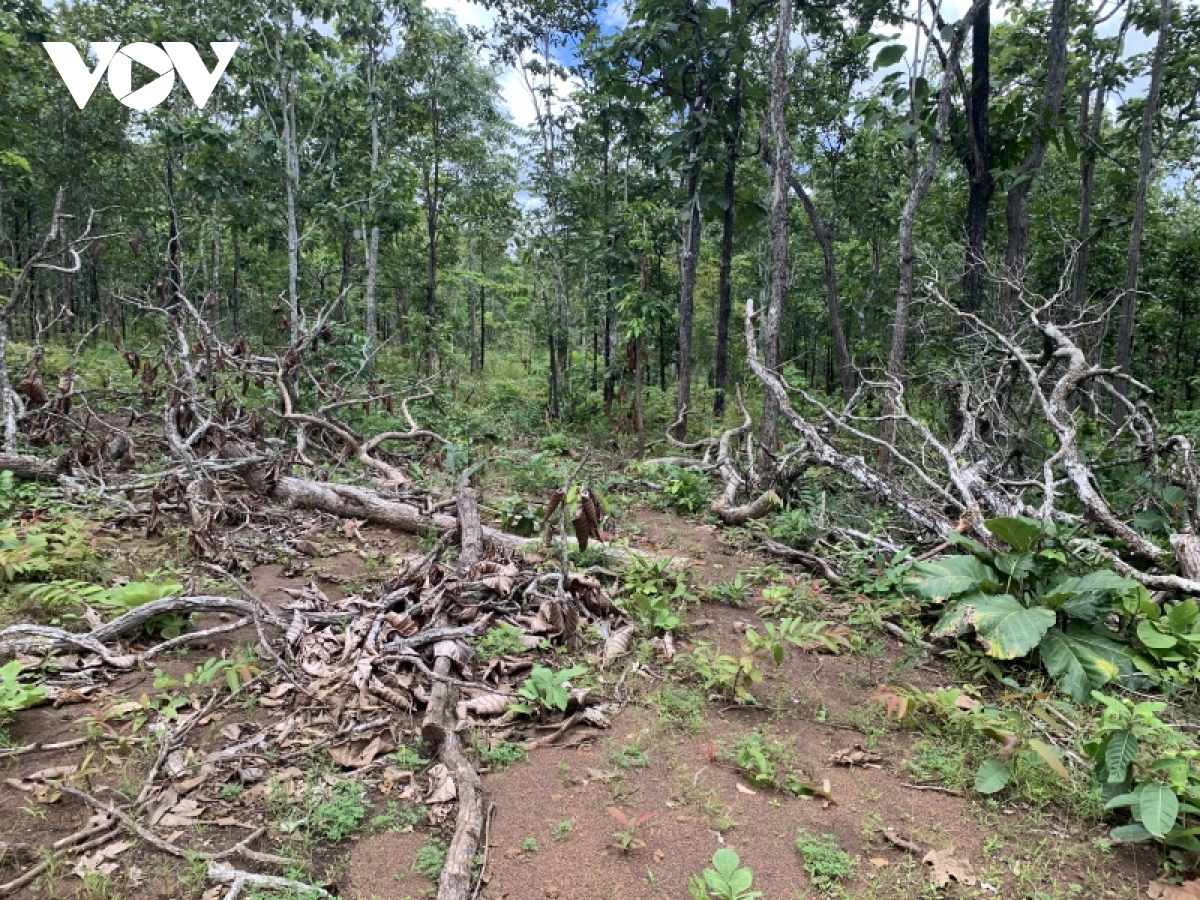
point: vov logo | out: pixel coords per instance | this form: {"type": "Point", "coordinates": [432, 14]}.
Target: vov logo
{"type": "Point", "coordinates": [165, 61]}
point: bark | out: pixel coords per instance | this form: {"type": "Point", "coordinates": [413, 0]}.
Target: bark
{"type": "Point", "coordinates": [370, 321]}
{"type": "Point", "coordinates": [1187, 554]}
{"type": "Point", "coordinates": [845, 365]}
{"type": "Point", "coordinates": [174, 266]}
{"type": "Point", "coordinates": [733, 139]}
{"type": "Point", "coordinates": [780, 273]}
{"type": "Point", "coordinates": [469, 529]}
{"type": "Point", "coordinates": [979, 162]}
{"type": "Point", "coordinates": [1145, 167]}
{"type": "Point", "coordinates": [923, 178]}
{"type": "Point", "coordinates": [291, 179]}
{"type": "Point", "coordinates": [1016, 212]}
{"type": "Point", "coordinates": [687, 281]}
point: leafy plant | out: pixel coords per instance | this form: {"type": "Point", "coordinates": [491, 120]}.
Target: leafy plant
{"type": "Point", "coordinates": [685, 489]}
{"type": "Point", "coordinates": [726, 880]}
{"type": "Point", "coordinates": [825, 862]}
{"type": "Point", "coordinates": [430, 860]}
{"type": "Point", "coordinates": [407, 757]}
{"type": "Point", "coordinates": [731, 593]}
{"type": "Point", "coordinates": [792, 527]}
{"type": "Point", "coordinates": [627, 839]}
{"type": "Point", "coordinates": [14, 694]}
{"type": "Point", "coordinates": [650, 589]}
{"type": "Point", "coordinates": [529, 845]}
{"type": "Point", "coordinates": [116, 601]}
{"type": "Point", "coordinates": [501, 754]}
{"type": "Point", "coordinates": [1147, 766]}
{"type": "Point", "coordinates": [631, 756]}
{"type": "Point", "coordinates": [518, 516]}
{"type": "Point", "coordinates": [562, 830]}
{"type": "Point", "coordinates": [546, 690]}
{"type": "Point", "coordinates": [1024, 601]}
{"type": "Point", "coordinates": [501, 640]}
{"type": "Point", "coordinates": [338, 817]}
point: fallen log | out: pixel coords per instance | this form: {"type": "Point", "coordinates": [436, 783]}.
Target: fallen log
{"type": "Point", "coordinates": [438, 730]}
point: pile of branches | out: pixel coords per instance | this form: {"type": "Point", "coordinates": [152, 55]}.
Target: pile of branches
{"type": "Point", "coordinates": [1012, 445]}
{"type": "Point", "coordinates": [358, 678]}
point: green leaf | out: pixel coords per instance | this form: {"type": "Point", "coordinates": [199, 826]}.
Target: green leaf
{"type": "Point", "coordinates": [952, 576]}
{"type": "Point", "coordinates": [1122, 750]}
{"type": "Point", "coordinates": [1153, 638]}
{"type": "Point", "coordinates": [1018, 532]}
{"type": "Point", "coordinates": [1183, 615]}
{"type": "Point", "coordinates": [1079, 660]}
{"type": "Point", "coordinates": [889, 56]}
{"type": "Point", "coordinates": [1050, 757]}
{"type": "Point", "coordinates": [726, 861]}
{"type": "Point", "coordinates": [1128, 834]}
{"type": "Point", "coordinates": [992, 776]}
{"type": "Point", "coordinates": [1130, 799]}
{"type": "Point", "coordinates": [1005, 628]}
{"type": "Point", "coordinates": [1159, 808]}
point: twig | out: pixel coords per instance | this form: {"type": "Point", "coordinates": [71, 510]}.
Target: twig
{"type": "Point", "coordinates": [933, 787]}
{"type": "Point", "coordinates": [487, 831]}
{"type": "Point", "coordinates": [237, 879]}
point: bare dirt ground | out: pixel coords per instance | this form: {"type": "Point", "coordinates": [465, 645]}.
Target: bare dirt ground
{"type": "Point", "coordinates": [551, 835]}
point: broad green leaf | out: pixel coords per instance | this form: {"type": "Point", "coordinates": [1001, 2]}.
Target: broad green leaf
{"type": "Point", "coordinates": [1130, 799]}
{"type": "Point", "coordinates": [1128, 834]}
{"type": "Point", "coordinates": [726, 861]}
{"type": "Point", "coordinates": [1018, 532]}
{"type": "Point", "coordinates": [1005, 628]}
{"type": "Point", "coordinates": [889, 55]}
{"type": "Point", "coordinates": [1159, 808]}
{"type": "Point", "coordinates": [1183, 615]}
{"type": "Point", "coordinates": [1153, 638]}
{"type": "Point", "coordinates": [952, 576]}
{"type": "Point", "coordinates": [1080, 660]}
{"type": "Point", "coordinates": [968, 544]}
{"type": "Point", "coordinates": [1122, 750]}
{"type": "Point", "coordinates": [992, 776]}
{"type": "Point", "coordinates": [1050, 757]}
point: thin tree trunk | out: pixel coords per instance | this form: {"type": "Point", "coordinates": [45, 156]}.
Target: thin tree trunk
{"type": "Point", "coordinates": [780, 273]}
{"type": "Point", "coordinates": [1017, 206]}
{"type": "Point", "coordinates": [174, 266]}
{"type": "Point", "coordinates": [370, 319]}
{"type": "Point", "coordinates": [922, 179]}
{"type": "Point", "coordinates": [1145, 167]}
{"type": "Point", "coordinates": [979, 163]}
{"type": "Point", "coordinates": [687, 285]}
{"type": "Point", "coordinates": [733, 139]}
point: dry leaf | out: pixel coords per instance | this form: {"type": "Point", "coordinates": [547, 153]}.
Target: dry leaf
{"type": "Point", "coordinates": [879, 862]}
{"type": "Point", "coordinates": [307, 547]}
{"type": "Point", "coordinates": [945, 868]}
{"type": "Point", "coordinates": [484, 705]}
{"type": "Point", "coordinates": [442, 785]}
{"type": "Point", "coordinates": [745, 790]}
{"type": "Point", "coordinates": [357, 754]}
{"type": "Point", "coordinates": [857, 756]}
{"type": "Point", "coordinates": [1163, 890]}
{"type": "Point", "coordinates": [618, 644]}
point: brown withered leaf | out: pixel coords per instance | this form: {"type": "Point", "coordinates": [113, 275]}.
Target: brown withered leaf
{"type": "Point", "coordinates": [484, 705]}
{"type": "Point", "coordinates": [617, 644]}
{"type": "Point", "coordinates": [945, 867]}
{"type": "Point", "coordinates": [356, 754]}
{"type": "Point", "coordinates": [1164, 890]}
{"type": "Point", "coordinates": [856, 756]}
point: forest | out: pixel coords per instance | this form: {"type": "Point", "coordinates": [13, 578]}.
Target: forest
{"type": "Point", "coordinates": [437, 433]}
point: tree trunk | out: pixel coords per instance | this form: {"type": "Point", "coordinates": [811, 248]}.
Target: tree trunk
{"type": "Point", "coordinates": [922, 179]}
{"type": "Point", "coordinates": [733, 139]}
{"type": "Point", "coordinates": [1017, 206]}
{"type": "Point", "coordinates": [1145, 166]}
{"type": "Point", "coordinates": [174, 265]}
{"type": "Point", "coordinates": [687, 283]}
{"type": "Point", "coordinates": [979, 163]}
{"type": "Point", "coordinates": [370, 319]}
{"type": "Point", "coordinates": [780, 274]}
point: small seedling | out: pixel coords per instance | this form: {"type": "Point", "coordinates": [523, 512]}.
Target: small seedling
{"type": "Point", "coordinates": [529, 845]}
{"type": "Point", "coordinates": [562, 830]}
{"type": "Point", "coordinates": [627, 839]}
{"type": "Point", "coordinates": [726, 880]}
{"type": "Point", "coordinates": [630, 757]}
{"type": "Point", "coordinates": [546, 690]}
